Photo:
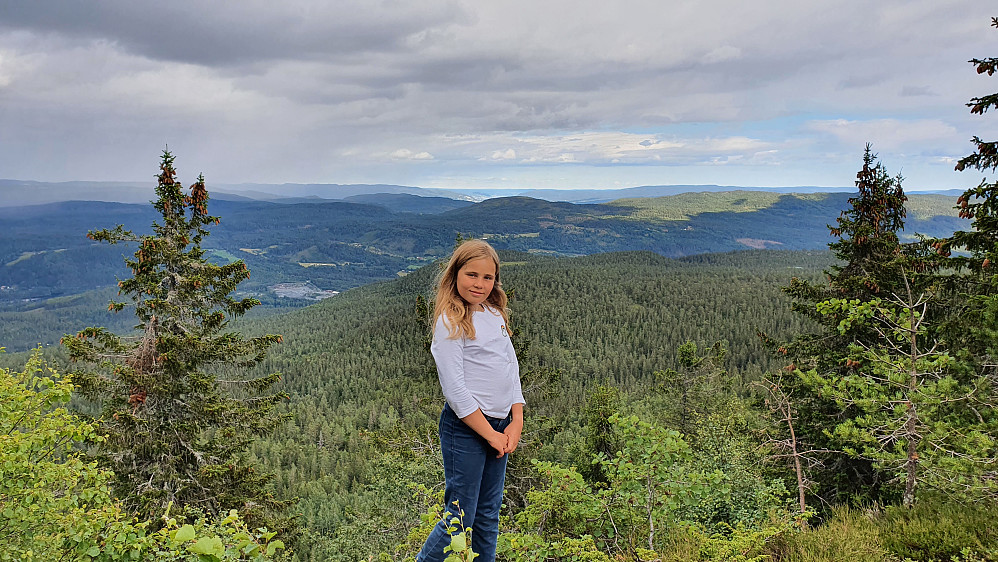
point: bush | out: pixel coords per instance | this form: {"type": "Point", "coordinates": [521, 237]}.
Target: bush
{"type": "Point", "coordinates": [934, 530]}
{"type": "Point", "coordinates": [846, 535]}
{"type": "Point", "coordinates": [940, 529]}
{"type": "Point", "coordinates": [57, 506]}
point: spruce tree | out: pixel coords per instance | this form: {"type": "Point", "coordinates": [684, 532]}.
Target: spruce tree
{"type": "Point", "coordinates": [174, 430]}
{"type": "Point", "coordinates": [974, 322]}
{"type": "Point", "coordinates": [869, 252]}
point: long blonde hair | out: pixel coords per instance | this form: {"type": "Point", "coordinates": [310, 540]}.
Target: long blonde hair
{"type": "Point", "coordinates": [449, 303]}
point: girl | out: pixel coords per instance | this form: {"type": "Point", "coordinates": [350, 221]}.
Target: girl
{"type": "Point", "coordinates": [479, 374]}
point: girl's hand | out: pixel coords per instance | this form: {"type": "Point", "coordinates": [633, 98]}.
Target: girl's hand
{"type": "Point", "coordinates": [512, 432]}
{"type": "Point", "coordinates": [499, 442]}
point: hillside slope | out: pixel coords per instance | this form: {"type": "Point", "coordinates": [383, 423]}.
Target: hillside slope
{"type": "Point", "coordinates": [336, 245]}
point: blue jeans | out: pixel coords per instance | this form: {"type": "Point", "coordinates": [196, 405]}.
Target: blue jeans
{"type": "Point", "coordinates": [474, 478]}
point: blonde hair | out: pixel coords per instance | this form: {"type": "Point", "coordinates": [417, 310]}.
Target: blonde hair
{"type": "Point", "coordinates": [449, 303]}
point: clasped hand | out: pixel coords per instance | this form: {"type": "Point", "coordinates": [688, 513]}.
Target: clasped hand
{"type": "Point", "coordinates": [508, 440]}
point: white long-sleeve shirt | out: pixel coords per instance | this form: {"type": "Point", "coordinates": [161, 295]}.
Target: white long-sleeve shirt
{"type": "Point", "coordinates": [478, 373]}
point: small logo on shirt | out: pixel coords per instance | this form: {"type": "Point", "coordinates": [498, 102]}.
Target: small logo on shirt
{"type": "Point", "coordinates": [505, 333]}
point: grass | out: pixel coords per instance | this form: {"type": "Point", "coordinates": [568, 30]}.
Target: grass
{"type": "Point", "coordinates": [924, 206]}
{"type": "Point", "coordinates": [222, 254]}
{"type": "Point", "coordinates": [23, 257]}
{"type": "Point", "coordinates": [685, 205]}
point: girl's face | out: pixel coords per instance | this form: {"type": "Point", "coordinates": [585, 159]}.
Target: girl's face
{"type": "Point", "coordinates": [475, 281]}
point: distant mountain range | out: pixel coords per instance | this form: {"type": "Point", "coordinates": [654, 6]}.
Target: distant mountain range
{"type": "Point", "coordinates": [17, 193]}
{"type": "Point", "coordinates": [339, 244]}
{"type": "Point", "coordinates": [53, 278]}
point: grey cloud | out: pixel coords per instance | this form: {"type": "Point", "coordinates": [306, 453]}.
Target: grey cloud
{"type": "Point", "coordinates": [302, 88]}
{"type": "Point", "coordinates": [913, 91]}
{"type": "Point", "coordinates": [227, 33]}
{"type": "Point", "coordinates": [864, 81]}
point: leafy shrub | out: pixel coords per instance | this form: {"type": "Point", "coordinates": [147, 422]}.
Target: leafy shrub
{"type": "Point", "coordinates": [48, 494]}
{"type": "Point", "coordinates": [933, 530]}
{"type": "Point", "coordinates": [532, 548]}
{"type": "Point", "coordinates": [725, 543]}
{"type": "Point", "coordinates": [937, 529]}
{"type": "Point", "coordinates": [56, 506]}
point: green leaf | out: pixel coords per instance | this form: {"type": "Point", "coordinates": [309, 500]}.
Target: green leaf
{"type": "Point", "coordinates": [184, 534]}
{"type": "Point", "coordinates": [209, 546]}
{"type": "Point", "coordinates": [273, 546]}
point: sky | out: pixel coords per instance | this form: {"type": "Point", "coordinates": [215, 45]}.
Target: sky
{"type": "Point", "coordinates": [501, 94]}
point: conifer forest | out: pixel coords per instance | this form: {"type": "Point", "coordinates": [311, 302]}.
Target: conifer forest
{"type": "Point", "coordinates": [837, 403]}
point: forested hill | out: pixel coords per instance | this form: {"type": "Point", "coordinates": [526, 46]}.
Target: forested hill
{"type": "Point", "coordinates": [49, 269]}
{"type": "Point", "coordinates": [362, 383]}
{"type": "Point", "coordinates": [364, 392]}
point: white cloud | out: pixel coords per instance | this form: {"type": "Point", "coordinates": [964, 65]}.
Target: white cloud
{"type": "Point", "coordinates": [406, 154]}
{"type": "Point", "coordinates": [508, 154]}
{"type": "Point", "coordinates": [889, 134]}
{"type": "Point", "coordinates": [599, 148]}
{"type": "Point", "coordinates": [11, 67]}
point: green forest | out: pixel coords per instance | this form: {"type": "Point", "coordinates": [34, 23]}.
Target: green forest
{"type": "Point", "coordinates": [785, 405]}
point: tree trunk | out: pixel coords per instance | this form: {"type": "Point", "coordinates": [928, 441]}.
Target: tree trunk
{"type": "Point", "coordinates": [797, 467]}
{"type": "Point", "coordinates": [912, 416]}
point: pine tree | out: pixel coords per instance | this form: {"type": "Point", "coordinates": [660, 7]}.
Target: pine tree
{"type": "Point", "coordinates": [913, 417]}
{"type": "Point", "coordinates": [701, 386]}
{"type": "Point", "coordinates": [174, 430]}
{"type": "Point", "coordinates": [870, 251]}
{"type": "Point", "coordinates": [602, 403]}
{"type": "Point", "coordinates": [867, 233]}
{"type": "Point", "coordinates": [972, 325]}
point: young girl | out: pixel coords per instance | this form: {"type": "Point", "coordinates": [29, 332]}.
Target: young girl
{"type": "Point", "coordinates": [480, 377]}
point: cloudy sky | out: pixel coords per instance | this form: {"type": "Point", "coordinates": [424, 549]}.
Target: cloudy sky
{"type": "Point", "coordinates": [499, 94]}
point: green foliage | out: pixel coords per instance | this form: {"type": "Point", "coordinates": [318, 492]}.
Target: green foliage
{"type": "Point", "coordinates": [700, 386]}
{"type": "Point", "coordinates": [975, 285]}
{"type": "Point", "coordinates": [937, 529]}
{"type": "Point", "coordinates": [724, 443]}
{"type": "Point", "coordinates": [636, 514]}
{"type": "Point", "coordinates": [652, 476]}
{"type": "Point", "coordinates": [870, 253]}
{"type": "Point", "coordinates": [392, 501]}
{"type": "Point", "coordinates": [173, 431]}
{"type": "Point", "coordinates": [564, 505]}
{"type": "Point", "coordinates": [48, 493]}
{"type": "Point", "coordinates": [459, 549]}
{"type": "Point", "coordinates": [57, 506]}
{"type": "Point", "coordinates": [914, 418]}
{"type": "Point", "coordinates": [847, 534]}
{"type": "Point", "coordinates": [223, 539]}
{"type": "Point", "coordinates": [867, 232]}
{"type": "Point", "coordinates": [531, 548]}
{"type": "Point", "coordinates": [600, 438]}
{"type": "Point", "coordinates": [725, 543]}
